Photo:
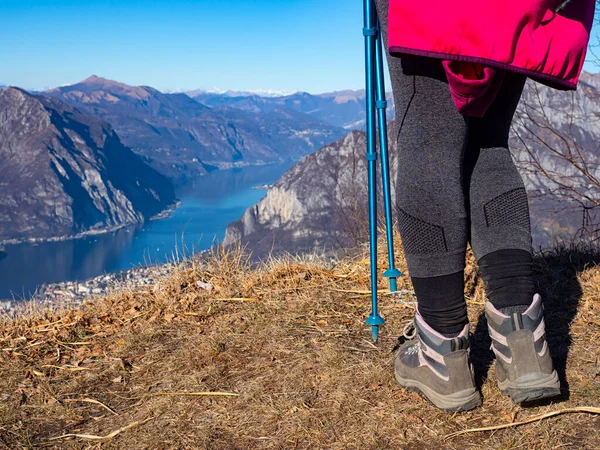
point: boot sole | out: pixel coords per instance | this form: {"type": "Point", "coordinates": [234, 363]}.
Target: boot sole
{"type": "Point", "coordinates": [459, 401]}
{"type": "Point", "coordinates": [535, 386]}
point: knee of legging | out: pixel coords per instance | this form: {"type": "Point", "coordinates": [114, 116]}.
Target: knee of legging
{"type": "Point", "coordinates": [423, 233]}
{"type": "Point", "coordinates": [501, 222]}
{"type": "Point", "coordinates": [420, 236]}
{"type": "Point", "coordinates": [509, 208]}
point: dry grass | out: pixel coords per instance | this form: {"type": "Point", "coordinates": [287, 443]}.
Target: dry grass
{"type": "Point", "coordinates": [151, 369]}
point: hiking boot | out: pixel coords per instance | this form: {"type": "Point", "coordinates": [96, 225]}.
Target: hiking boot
{"type": "Point", "coordinates": [438, 368]}
{"type": "Point", "coordinates": [523, 363]}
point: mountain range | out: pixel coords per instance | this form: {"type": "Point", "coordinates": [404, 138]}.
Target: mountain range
{"type": "Point", "coordinates": [344, 109]}
{"type": "Point", "coordinates": [233, 93]}
{"type": "Point", "coordinates": [79, 140]}
{"type": "Point", "coordinates": [183, 138]}
{"type": "Point", "coordinates": [64, 173]}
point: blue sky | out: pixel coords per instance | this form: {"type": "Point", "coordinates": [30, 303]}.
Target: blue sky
{"type": "Point", "coordinates": [311, 45]}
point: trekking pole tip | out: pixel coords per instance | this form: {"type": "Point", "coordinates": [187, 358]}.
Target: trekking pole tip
{"type": "Point", "coordinates": [375, 333]}
{"type": "Point", "coordinates": [375, 320]}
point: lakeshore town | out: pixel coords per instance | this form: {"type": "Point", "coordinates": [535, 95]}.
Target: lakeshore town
{"type": "Point", "coordinates": [74, 293]}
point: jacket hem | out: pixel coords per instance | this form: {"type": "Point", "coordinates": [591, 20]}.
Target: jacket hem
{"type": "Point", "coordinates": [549, 80]}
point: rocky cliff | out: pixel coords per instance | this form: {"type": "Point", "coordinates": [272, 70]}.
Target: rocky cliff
{"type": "Point", "coordinates": [63, 173]}
{"type": "Point", "coordinates": [320, 203]}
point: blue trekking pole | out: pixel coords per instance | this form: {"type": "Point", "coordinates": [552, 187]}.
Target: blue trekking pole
{"type": "Point", "coordinates": [375, 101]}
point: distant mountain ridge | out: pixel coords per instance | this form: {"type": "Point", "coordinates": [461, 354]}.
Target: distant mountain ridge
{"type": "Point", "coordinates": [183, 139]}
{"type": "Point", "coordinates": [63, 173]}
{"type": "Point", "coordinates": [233, 93]}
{"type": "Point", "coordinates": [344, 108]}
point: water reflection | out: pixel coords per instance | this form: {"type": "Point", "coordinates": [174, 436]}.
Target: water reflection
{"type": "Point", "coordinates": [219, 184]}
{"type": "Point", "coordinates": [28, 265]}
{"type": "Point", "coordinates": [208, 205]}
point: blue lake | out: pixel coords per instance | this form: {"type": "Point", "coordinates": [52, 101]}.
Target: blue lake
{"type": "Point", "coordinates": [208, 206]}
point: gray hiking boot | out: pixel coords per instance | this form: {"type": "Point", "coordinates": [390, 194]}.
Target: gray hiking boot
{"type": "Point", "coordinates": [438, 368]}
{"type": "Point", "coordinates": [523, 363]}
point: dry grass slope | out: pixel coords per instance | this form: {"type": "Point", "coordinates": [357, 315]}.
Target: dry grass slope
{"type": "Point", "coordinates": [150, 369]}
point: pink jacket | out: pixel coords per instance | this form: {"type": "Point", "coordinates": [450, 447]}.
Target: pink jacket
{"type": "Point", "coordinates": [476, 37]}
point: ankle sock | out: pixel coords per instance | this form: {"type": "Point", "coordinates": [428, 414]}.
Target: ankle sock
{"type": "Point", "coordinates": [441, 302]}
{"type": "Point", "coordinates": [508, 277]}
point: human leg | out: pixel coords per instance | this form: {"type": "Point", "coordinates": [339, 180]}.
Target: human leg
{"type": "Point", "coordinates": [500, 230]}
{"type": "Point", "coordinates": [433, 227]}
{"type": "Point", "coordinates": [429, 192]}
{"type": "Point", "coordinates": [501, 240]}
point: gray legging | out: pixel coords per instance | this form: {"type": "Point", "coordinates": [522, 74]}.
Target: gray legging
{"type": "Point", "coordinates": [457, 182]}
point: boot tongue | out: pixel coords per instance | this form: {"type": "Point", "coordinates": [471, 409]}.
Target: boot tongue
{"type": "Point", "coordinates": [517, 309]}
{"type": "Point", "coordinates": [438, 342]}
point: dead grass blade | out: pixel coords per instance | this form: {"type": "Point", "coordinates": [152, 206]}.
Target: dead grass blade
{"type": "Point", "coordinates": [361, 292]}
{"type": "Point", "coordinates": [136, 316]}
{"type": "Point", "coordinates": [93, 437]}
{"type": "Point", "coordinates": [199, 394]}
{"type": "Point", "coordinates": [91, 400]}
{"type": "Point", "coordinates": [75, 343]}
{"type": "Point", "coordinates": [46, 329]}
{"type": "Point", "coordinates": [237, 299]}
{"type": "Point", "coordinates": [69, 368]}
{"type": "Point", "coordinates": [584, 409]}
{"type": "Point", "coordinates": [473, 302]}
